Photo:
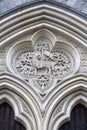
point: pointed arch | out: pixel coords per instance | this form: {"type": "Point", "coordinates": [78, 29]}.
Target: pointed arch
{"type": "Point", "coordinates": [74, 90]}
{"type": "Point", "coordinates": [64, 116]}
{"type": "Point", "coordinates": [33, 19]}
{"type": "Point", "coordinates": [44, 32]}
{"type": "Point", "coordinates": [16, 93]}
{"type": "Point", "coordinates": [12, 99]}
{"type": "Point", "coordinates": [78, 119]}
{"type": "Point", "coordinates": [7, 120]}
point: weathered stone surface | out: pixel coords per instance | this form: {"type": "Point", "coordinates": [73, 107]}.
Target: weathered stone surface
{"type": "Point", "coordinates": [6, 5]}
{"type": "Point", "coordinates": [79, 5]}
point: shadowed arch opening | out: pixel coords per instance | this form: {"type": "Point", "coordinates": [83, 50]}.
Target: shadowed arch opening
{"type": "Point", "coordinates": [78, 119]}
{"type": "Point", "coordinates": [7, 119]}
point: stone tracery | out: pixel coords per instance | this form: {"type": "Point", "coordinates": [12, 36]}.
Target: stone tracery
{"type": "Point", "coordinates": [42, 63]}
{"type": "Point", "coordinates": [67, 27]}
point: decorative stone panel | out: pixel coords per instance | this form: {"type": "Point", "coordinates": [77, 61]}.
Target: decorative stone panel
{"type": "Point", "coordinates": [43, 62]}
{"type": "Point", "coordinates": [2, 61]}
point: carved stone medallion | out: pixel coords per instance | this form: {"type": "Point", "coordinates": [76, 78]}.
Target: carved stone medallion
{"type": "Point", "coordinates": [41, 64]}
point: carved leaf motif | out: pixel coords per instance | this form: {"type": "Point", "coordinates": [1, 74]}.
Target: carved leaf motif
{"type": "Point", "coordinates": [42, 65]}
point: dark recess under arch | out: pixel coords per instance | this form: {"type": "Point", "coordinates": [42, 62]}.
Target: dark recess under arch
{"type": "Point", "coordinates": [7, 121]}
{"type": "Point", "coordinates": [78, 120]}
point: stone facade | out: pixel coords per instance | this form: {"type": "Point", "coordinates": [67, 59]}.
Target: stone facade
{"type": "Point", "coordinates": [43, 64]}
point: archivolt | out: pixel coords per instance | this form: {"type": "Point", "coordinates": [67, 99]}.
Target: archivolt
{"type": "Point", "coordinates": [74, 99]}
{"type": "Point", "coordinates": [15, 92]}
{"type": "Point", "coordinates": [43, 16]}
{"type": "Point", "coordinates": [20, 115]}
{"type": "Point", "coordinates": [22, 23]}
{"type": "Point", "coordinates": [74, 90]}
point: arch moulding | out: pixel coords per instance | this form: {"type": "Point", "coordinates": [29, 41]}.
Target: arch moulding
{"type": "Point", "coordinates": [43, 65]}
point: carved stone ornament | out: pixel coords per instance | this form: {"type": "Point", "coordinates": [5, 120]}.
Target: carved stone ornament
{"type": "Point", "coordinates": [41, 64]}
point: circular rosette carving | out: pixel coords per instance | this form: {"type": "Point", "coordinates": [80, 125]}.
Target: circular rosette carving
{"type": "Point", "coordinates": [66, 60]}
{"type": "Point", "coordinates": [22, 64]}
{"type": "Point", "coordinates": [43, 82]}
{"type": "Point", "coordinates": [64, 63]}
{"type": "Point", "coordinates": [43, 44]}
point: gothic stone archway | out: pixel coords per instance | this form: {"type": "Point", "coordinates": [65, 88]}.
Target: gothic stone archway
{"type": "Point", "coordinates": [7, 121]}
{"type": "Point", "coordinates": [78, 120]}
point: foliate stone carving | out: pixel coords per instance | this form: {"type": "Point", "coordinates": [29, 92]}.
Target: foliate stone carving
{"type": "Point", "coordinates": [43, 81]}
{"type": "Point", "coordinates": [83, 67]}
{"type": "Point", "coordinates": [43, 44]}
{"type": "Point", "coordinates": [83, 56]}
{"type": "Point", "coordinates": [41, 64]}
{"type": "Point", "coordinates": [64, 63]}
{"type": "Point", "coordinates": [22, 63]}
{"type": "Point", "coordinates": [2, 61]}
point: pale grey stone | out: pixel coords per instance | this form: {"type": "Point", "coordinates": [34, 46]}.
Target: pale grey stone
{"type": "Point", "coordinates": [84, 10]}
{"type": "Point", "coordinates": [80, 5]}
{"type": "Point", "coordinates": [6, 5]}
{"type": "Point", "coordinates": [71, 2]}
